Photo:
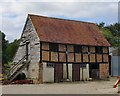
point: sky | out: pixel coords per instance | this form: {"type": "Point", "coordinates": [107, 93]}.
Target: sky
{"type": "Point", "coordinates": [13, 13]}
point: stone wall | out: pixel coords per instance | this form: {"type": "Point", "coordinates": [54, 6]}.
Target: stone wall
{"type": "Point", "coordinates": [30, 35]}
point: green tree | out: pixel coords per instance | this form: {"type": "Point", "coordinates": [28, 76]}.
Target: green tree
{"type": "Point", "coordinates": [4, 46]}
{"type": "Point", "coordinates": [114, 28]}
{"type": "Point", "coordinates": [11, 49]}
{"type": "Point", "coordinates": [8, 51]}
{"type": "Point", "coordinates": [111, 33]}
{"type": "Point", "coordinates": [101, 25]}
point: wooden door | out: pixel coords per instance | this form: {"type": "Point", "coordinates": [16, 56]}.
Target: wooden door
{"type": "Point", "coordinates": [58, 72]}
{"type": "Point", "coordinates": [76, 72]}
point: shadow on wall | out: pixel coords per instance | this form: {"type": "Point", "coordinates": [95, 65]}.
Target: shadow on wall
{"type": "Point", "coordinates": [21, 76]}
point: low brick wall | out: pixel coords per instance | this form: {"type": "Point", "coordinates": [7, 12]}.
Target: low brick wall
{"type": "Point", "coordinates": [104, 71]}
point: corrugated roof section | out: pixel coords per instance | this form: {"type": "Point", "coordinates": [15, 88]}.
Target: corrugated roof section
{"type": "Point", "coordinates": [68, 31]}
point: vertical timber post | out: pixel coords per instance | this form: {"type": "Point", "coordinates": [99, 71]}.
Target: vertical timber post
{"type": "Point", "coordinates": [67, 62]}
{"type": "Point", "coordinates": [40, 52]}
{"type": "Point", "coordinates": [27, 42]}
{"type": "Point", "coordinates": [40, 79]}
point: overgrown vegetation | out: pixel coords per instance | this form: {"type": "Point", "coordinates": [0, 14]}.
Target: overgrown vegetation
{"type": "Point", "coordinates": [8, 52]}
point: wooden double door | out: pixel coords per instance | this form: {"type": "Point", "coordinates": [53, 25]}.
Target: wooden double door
{"type": "Point", "coordinates": [75, 72]}
{"type": "Point", "coordinates": [58, 72]}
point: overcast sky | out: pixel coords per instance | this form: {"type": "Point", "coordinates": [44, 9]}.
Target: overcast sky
{"type": "Point", "coordinates": [13, 13]}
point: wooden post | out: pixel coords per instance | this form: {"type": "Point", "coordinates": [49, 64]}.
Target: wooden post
{"type": "Point", "coordinates": [67, 62]}
{"type": "Point", "coordinates": [27, 42]}
{"type": "Point", "coordinates": [40, 52]}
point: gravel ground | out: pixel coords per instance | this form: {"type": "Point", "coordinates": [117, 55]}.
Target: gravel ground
{"type": "Point", "coordinates": [87, 87]}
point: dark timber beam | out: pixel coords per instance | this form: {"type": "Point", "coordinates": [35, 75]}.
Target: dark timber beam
{"type": "Point", "coordinates": [40, 52]}
{"type": "Point", "coordinates": [67, 62]}
{"type": "Point", "coordinates": [27, 49]}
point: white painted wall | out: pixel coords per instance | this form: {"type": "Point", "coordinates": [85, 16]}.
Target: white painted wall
{"type": "Point", "coordinates": [70, 71]}
{"type": "Point", "coordinates": [48, 73]}
{"type": "Point", "coordinates": [81, 78]}
{"type": "Point", "coordinates": [85, 73]}
{"type": "Point", "coordinates": [64, 72]}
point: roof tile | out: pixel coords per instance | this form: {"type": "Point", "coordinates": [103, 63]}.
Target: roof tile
{"type": "Point", "coordinates": [68, 31]}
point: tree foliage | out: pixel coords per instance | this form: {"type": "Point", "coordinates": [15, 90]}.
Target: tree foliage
{"type": "Point", "coordinates": [11, 49]}
{"type": "Point", "coordinates": [8, 51]}
{"type": "Point", "coordinates": [115, 29]}
{"type": "Point", "coordinates": [4, 46]}
{"type": "Point", "coordinates": [111, 33]}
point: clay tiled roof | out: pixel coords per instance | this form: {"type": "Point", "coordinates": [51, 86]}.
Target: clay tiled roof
{"type": "Point", "coordinates": [67, 31]}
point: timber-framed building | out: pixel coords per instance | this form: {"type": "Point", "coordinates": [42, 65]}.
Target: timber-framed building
{"type": "Point", "coordinates": [56, 50]}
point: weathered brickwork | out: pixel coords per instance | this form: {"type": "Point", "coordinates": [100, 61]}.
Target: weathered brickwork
{"type": "Point", "coordinates": [104, 71]}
